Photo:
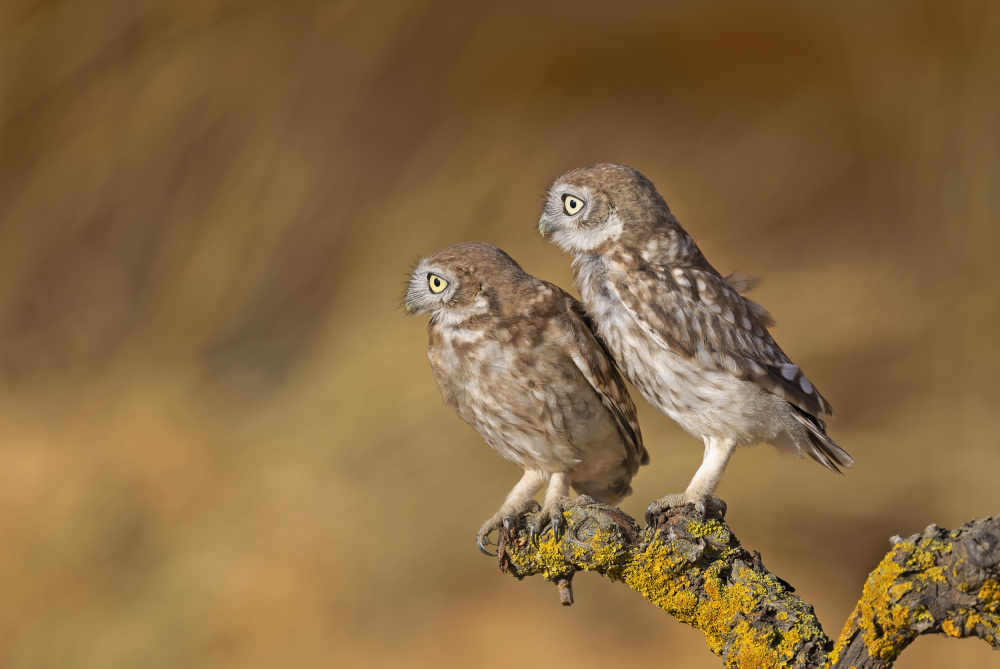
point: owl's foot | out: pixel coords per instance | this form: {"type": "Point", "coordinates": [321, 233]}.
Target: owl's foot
{"type": "Point", "coordinates": [705, 505]}
{"type": "Point", "coordinates": [506, 516]}
{"type": "Point", "coordinates": [551, 514]}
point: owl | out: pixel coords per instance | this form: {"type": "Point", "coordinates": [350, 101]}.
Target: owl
{"type": "Point", "coordinates": [515, 358]}
{"type": "Point", "coordinates": [679, 331]}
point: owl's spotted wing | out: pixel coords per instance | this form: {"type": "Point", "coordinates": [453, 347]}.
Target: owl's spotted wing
{"type": "Point", "coordinates": [697, 313]}
{"type": "Point", "coordinates": [595, 362]}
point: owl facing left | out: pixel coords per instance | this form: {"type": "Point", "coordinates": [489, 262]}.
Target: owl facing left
{"type": "Point", "coordinates": [515, 358]}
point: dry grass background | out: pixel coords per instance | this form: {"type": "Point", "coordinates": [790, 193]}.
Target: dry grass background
{"type": "Point", "coordinates": [220, 443]}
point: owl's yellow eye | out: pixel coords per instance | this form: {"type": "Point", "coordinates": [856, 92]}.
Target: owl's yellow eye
{"type": "Point", "coordinates": [436, 283]}
{"type": "Point", "coordinates": [572, 205]}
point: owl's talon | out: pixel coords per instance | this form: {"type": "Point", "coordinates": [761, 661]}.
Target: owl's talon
{"type": "Point", "coordinates": [533, 534]}
{"type": "Point", "coordinates": [558, 526]}
{"type": "Point", "coordinates": [482, 547]}
{"type": "Point", "coordinates": [711, 506]}
{"type": "Point", "coordinates": [508, 518]}
{"type": "Point", "coordinates": [724, 507]}
{"type": "Point", "coordinates": [706, 506]}
{"type": "Point", "coordinates": [551, 515]}
{"type": "Point", "coordinates": [658, 506]}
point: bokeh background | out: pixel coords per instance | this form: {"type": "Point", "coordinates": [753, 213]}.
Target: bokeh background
{"type": "Point", "coordinates": [220, 443]}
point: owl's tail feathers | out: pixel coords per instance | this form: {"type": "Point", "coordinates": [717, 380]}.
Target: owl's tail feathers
{"type": "Point", "coordinates": [821, 448]}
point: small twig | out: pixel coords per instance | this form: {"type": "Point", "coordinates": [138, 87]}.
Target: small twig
{"type": "Point", "coordinates": [565, 585]}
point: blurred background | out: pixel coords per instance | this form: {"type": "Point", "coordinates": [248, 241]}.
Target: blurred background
{"type": "Point", "coordinates": [220, 442]}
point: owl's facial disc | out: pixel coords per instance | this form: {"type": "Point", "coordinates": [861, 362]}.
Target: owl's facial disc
{"type": "Point", "coordinates": [429, 288]}
{"type": "Point", "coordinates": [564, 209]}
{"type": "Point", "coordinates": [578, 218]}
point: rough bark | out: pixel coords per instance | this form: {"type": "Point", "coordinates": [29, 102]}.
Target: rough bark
{"type": "Point", "coordinates": [696, 570]}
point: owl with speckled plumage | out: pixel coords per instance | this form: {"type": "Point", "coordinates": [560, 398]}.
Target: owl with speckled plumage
{"type": "Point", "coordinates": [515, 358]}
{"type": "Point", "coordinates": [679, 331]}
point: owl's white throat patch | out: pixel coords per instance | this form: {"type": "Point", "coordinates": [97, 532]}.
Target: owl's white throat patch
{"type": "Point", "coordinates": [454, 317]}
{"type": "Point", "coordinates": [575, 237]}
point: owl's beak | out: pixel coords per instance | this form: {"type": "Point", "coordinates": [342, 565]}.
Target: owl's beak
{"type": "Point", "coordinates": [545, 227]}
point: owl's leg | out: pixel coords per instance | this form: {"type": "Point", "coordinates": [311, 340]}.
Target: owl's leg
{"type": "Point", "coordinates": [700, 491]}
{"type": "Point", "coordinates": [556, 499]}
{"type": "Point", "coordinates": [519, 500]}
{"type": "Point", "coordinates": [706, 479]}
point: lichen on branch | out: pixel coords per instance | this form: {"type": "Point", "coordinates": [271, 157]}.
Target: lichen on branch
{"type": "Point", "coordinates": [696, 570]}
{"type": "Point", "coordinates": [693, 569]}
{"type": "Point", "coordinates": [938, 582]}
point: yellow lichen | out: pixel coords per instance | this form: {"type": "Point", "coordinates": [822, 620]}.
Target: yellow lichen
{"type": "Point", "coordinates": [883, 621]}
{"type": "Point", "coordinates": [990, 593]}
{"type": "Point", "coordinates": [724, 608]}
{"type": "Point", "coordinates": [831, 659]}
{"type": "Point", "coordinates": [609, 549]}
{"type": "Point", "coordinates": [651, 574]}
{"type": "Point", "coordinates": [877, 610]}
{"type": "Point", "coordinates": [549, 560]}
{"type": "Point", "coordinates": [990, 625]}
{"type": "Point", "coordinates": [713, 590]}
{"type": "Point", "coordinates": [554, 558]}
{"type": "Point", "coordinates": [897, 590]}
{"type": "Point", "coordinates": [706, 528]}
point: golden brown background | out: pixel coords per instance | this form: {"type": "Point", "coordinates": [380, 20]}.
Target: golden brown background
{"type": "Point", "coordinates": [220, 443]}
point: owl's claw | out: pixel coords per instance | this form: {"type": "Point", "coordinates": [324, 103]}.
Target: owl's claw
{"type": "Point", "coordinates": [710, 506]}
{"type": "Point", "coordinates": [558, 526]}
{"type": "Point", "coordinates": [550, 515]}
{"type": "Point", "coordinates": [482, 546]}
{"type": "Point", "coordinates": [706, 506]}
{"type": "Point", "coordinates": [536, 525]}
{"type": "Point", "coordinates": [508, 518]}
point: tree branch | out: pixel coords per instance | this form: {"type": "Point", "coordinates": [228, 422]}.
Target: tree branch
{"type": "Point", "coordinates": [697, 571]}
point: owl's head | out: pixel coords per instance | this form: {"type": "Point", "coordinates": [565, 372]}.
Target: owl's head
{"type": "Point", "coordinates": [591, 208]}
{"type": "Point", "coordinates": [460, 281]}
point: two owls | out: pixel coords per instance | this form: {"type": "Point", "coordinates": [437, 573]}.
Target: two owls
{"type": "Point", "coordinates": [524, 364]}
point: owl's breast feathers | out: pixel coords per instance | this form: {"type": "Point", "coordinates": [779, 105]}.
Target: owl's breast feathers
{"type": "Point", "coordinates": [503, 354]}
{"type": "Point", "coordinates": [692, 311]}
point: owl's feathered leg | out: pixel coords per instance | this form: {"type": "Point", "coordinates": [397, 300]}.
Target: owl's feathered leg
{"type": "Point", "coordinates": [519, 500]}
{"type": "Point", "coordinates": [700, 491]}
